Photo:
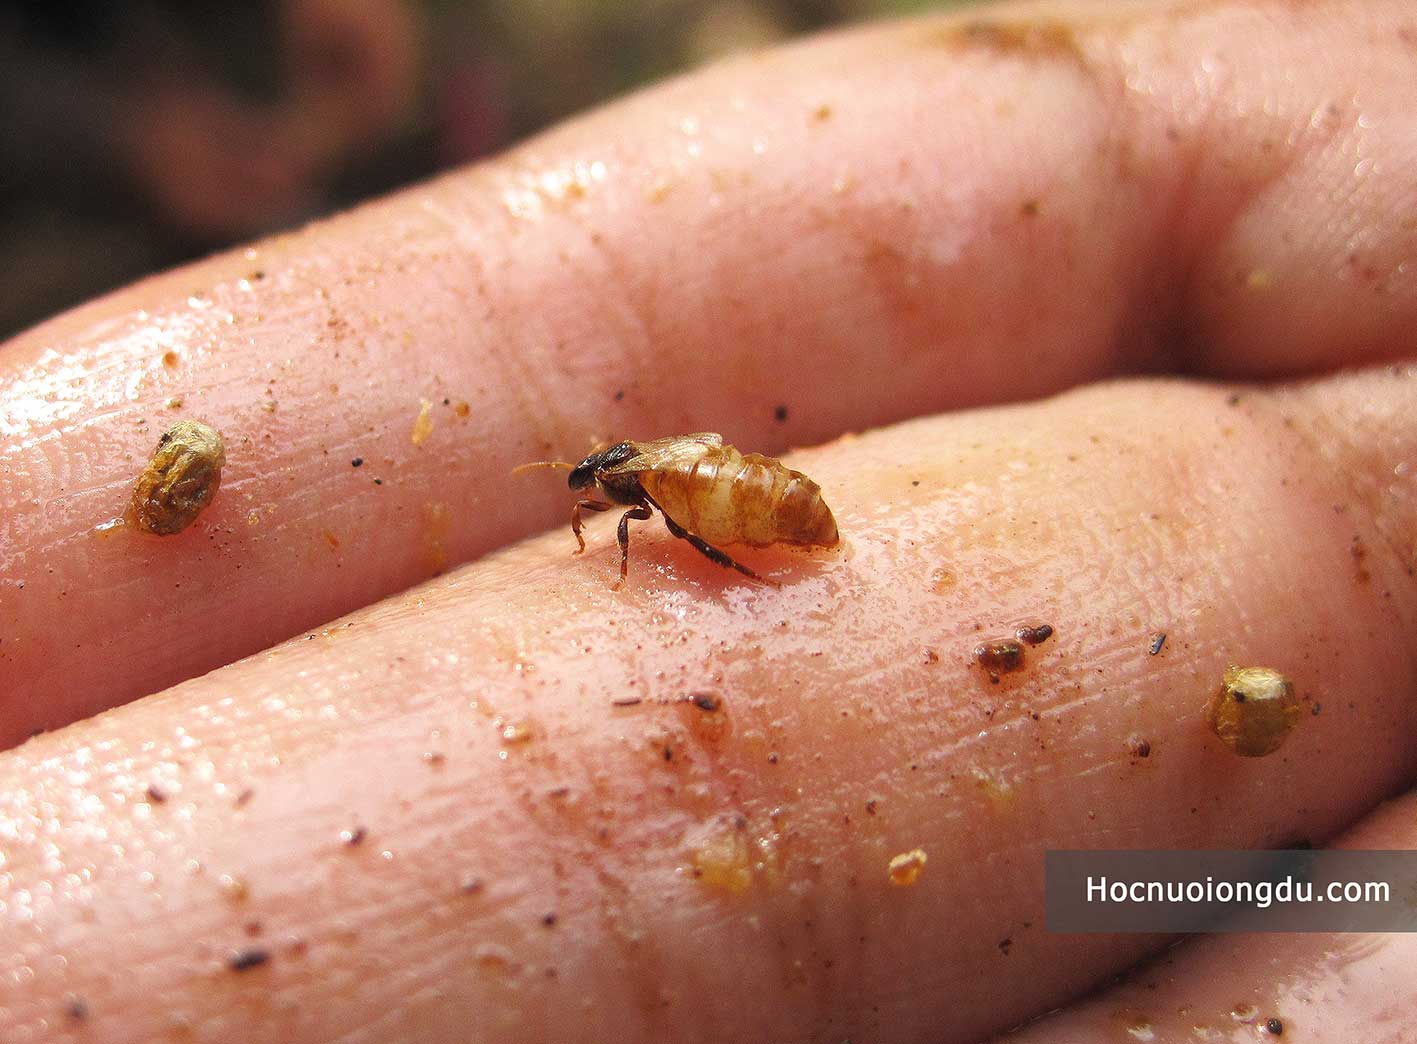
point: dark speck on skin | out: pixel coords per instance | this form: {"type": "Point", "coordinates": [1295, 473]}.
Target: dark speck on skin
{"type": "Point", "coordinates": [76, 1008]}
{"type": "Point", "coordinates": [356, 462]}
{"type": "Point", "coordinates": [1274, 1026]}
{"type": "Point", "coordinates": [1157, 643]}
{"type": "Point", "coordinates": [1034, 634]}
{"type": "Point", "coordinates": [780, 413]}
{"type": "Point", "coordinates": [706, 701]}
{"type": "Point", "coordinates": [251, 957]}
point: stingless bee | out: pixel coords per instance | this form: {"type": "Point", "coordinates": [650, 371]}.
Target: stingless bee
{"type": "Point", "coordinates": [708, 492]}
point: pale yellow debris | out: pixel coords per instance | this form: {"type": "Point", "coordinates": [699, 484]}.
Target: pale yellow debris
{"type": "Point", "coordinates": [423, 425]}
{"type": "Point", "coordinates": [906, 868]}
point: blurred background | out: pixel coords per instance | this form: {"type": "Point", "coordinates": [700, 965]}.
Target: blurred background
{"type": "Point", "coordinates": [135, 135]}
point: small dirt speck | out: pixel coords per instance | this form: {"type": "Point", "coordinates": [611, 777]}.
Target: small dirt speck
{"type": "Point", "coordinates": [1033, 633]}
{"type": "Point", "coordinates": [709, 702]}
{"type": "Point", "coordinates": [248, 958]}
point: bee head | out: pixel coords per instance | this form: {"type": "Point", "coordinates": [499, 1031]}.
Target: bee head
{"type": "Point", "coordinates": [586, 473]}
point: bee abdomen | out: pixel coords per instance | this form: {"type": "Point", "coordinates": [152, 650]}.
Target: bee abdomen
{"type": "Point", "coordinates": [727, 497]}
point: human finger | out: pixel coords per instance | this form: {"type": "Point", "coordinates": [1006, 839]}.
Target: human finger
{"type": "Point", "coordinates": [866, 227]}
{"type": "Point", "coordinates": [492, 808]}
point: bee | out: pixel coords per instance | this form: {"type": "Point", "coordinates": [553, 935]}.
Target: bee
{"type": "Point", "coordinates": [708, 493]}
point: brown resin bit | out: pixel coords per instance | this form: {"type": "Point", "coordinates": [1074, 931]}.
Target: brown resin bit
{"type": "Point", "coordinates": [1033, 633]}
{"type": "Point", "coordinates": [1254, 710]}
{"type": "Point", "coordinates": [180, 480]}
{"type": "Point", "coordinates": [999, 656]}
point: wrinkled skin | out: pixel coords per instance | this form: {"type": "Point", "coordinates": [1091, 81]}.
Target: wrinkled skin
{"type": "Point", "coordinates": [431, 816]}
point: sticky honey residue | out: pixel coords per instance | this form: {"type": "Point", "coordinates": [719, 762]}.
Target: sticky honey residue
{"type": "Point", "coordinates": [518, 731]}
{"type": "Point", "coordinates": [436, 520]}
{"type": "Point", "coordinates": [943, 580]}
{"type": "Point", "coordinates": [1042, 39]}
{"type": "Point", "coordinates": [658, 190]}
{"type": "Point", "coordinates": [734, 859]}
{"type": "Point", "coordinates": [723, 861]}
{"type": "Point", "coordinates": [234, 888]}
{"type": "Point", "coordinates": [422, 424]}
{"type": "Point", "coordinates": [492, 957]}
{"type": "Point", "coordinates": [996, 790]}
{"type": "Point", "coordinates": [905, 869]}
{"type": "Point", "coordinates": [1254, 711]}
{"type": "Point", "coordinates": [109, 529]}
{"type": "Point", "coordinates": [705, 714]}
{"type": "Point", "coordinates": [1135, 1024]}
{"type": "Point", "coordinates": [180, 480]}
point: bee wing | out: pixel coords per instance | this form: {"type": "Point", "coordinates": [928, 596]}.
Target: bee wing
{"type": "Point", "coordinates": [658, 454]}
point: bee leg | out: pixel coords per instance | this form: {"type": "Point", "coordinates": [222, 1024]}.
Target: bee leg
{"type": "Point", "coordinates": [590, 505]}
{"type": "Point", "coordinates": [713, 554]}
{"type": "Point", "coordinates": [640, 511]}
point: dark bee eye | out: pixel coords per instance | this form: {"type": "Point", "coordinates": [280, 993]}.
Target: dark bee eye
{"type": "Point", "coordinates": [583, 474]}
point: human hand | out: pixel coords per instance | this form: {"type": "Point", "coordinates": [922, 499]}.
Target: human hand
{"type": "Point", "coordinates": [871, 227]}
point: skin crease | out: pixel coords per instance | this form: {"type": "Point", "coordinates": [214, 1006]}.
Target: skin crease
{"type": "Point", "coordinates": [469, 726]}
{"type": "Point", "coordinates": [1178, 241]}
{"type": "Point", "coordinates": [1106, 193]}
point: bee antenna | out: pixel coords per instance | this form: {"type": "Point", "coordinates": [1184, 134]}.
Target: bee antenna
{"type": "Point", "coordinates": [542, 464]}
